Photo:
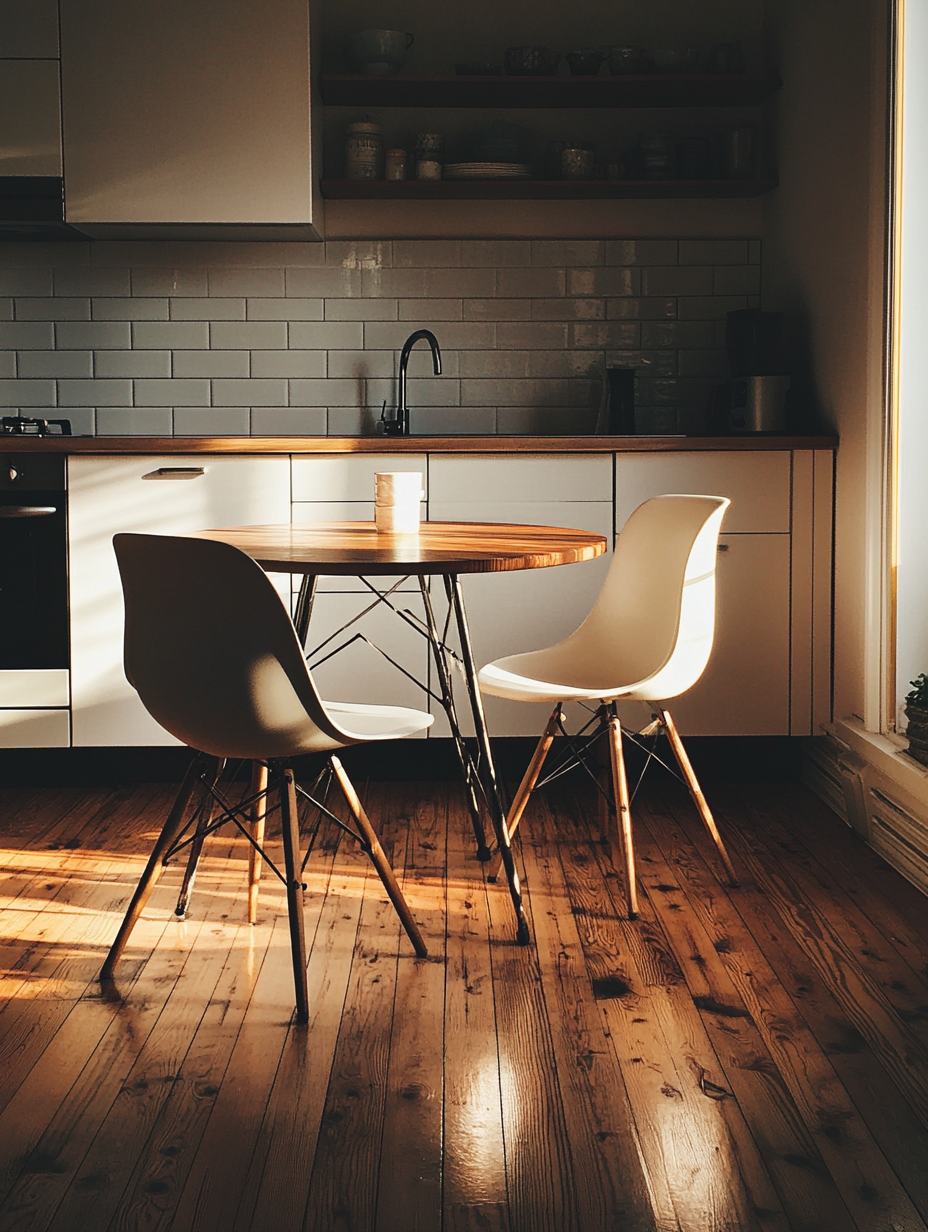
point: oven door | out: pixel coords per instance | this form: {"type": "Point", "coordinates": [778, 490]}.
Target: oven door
{"type": "Point", "coordinates": [33, 580]}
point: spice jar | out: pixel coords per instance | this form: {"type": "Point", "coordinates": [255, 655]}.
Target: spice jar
{"type": "Point", "coordinates": [396, 164]}
{"type": "Point", "coordinates": [364, 151]}
{"type": "Point", "coordinates": [658, 156]}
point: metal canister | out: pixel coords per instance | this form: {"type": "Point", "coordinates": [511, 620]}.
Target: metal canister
{"type": "Point", "coordinates": [364, 151]}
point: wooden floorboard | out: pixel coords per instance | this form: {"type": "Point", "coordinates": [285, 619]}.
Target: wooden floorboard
{"type": "Point", "coordinates": [736, 1060]}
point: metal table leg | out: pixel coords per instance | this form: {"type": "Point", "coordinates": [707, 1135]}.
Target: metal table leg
{"type": "Point", "coordinates": [304, 606]}
{"type": "Point", "coordinates": [494, 795]}
{"type": "Point", "coordinates": [468, 769]}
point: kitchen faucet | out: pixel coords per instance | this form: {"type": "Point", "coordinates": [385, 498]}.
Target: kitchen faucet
{"type": "Point", "coordinates": [399, 425]}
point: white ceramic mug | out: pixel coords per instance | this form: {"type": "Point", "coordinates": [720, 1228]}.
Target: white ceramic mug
{"type": "Point", "coordinates": [396, 501]}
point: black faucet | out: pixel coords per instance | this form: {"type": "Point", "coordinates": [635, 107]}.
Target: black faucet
{"type": "Point", "coordinates": [399, 425]}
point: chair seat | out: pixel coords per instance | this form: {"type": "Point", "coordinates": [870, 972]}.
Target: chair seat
{"type": "Point", "coordinates": [502, 679]}
{"type": "Point", "coordinates": [362, 722]}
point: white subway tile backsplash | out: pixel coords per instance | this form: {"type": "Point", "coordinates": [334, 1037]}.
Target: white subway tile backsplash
{"type": "Point", "coordinates": [641, 252]}
{"type": "Point", "coordinates": [327, 392]}
{"type": "Point", "coordinates": [135, 421]}
{"type": "Point", "coordinates": [641, 309]}
{"type": "Point", "coordinates": [95, 335]}
{"type": "Point", "coordinates": [176, 335]}
{"type": "Point", "coordinates": [568, 309]}
{"type": "Point", "coordinates": [267, 392]}
{"type": "Point", "coordinates": [132, 363]}
{"type": "Point", "coordinates": [169, 282]}
{"type": "Point", "coordinates": [197, 308]}
{"type": "Point", "coordinates": [26, 335]}
{"type": "Point", "coordinates": [430, 310]}
{"type": "Point", "coordinates": [568, 252]}
{"type": "Point", "coordinates": [27, 393]}
{"type": "Point", "coordinates": [288, 421]}
{"type": "Point", "coordinates": [495, 254]}
{"type": "Point", "coordinates": [211, 363]}
{"type": "Point", "coordinates": [338, 282]}
{"type": "Point", "coordinates": [358, 364]}
{"type": "Point", "coordinates": [284, 309]}
{"type": "Point", "coordinates": [613, 280]}
{"type": "Point", "coordinates": [226, 282]}
{"type": "Point", "coordinates": [231, 338]}
{"type": "Point", "coordinates": [248, 335]}
{"type": "Point", "coordinates": [677, 280]}
{"type": "Point", "coordinates": [171, 392]}
{"type": "Point", "coordinates": [526, 283]}
{"type": "Point", "coordinates": [327, 335]}
{"type": "Point", "coordinates": [288, 363]}
{"type": "Point", "coordinates": [83, 281]}
{"type": "Point", "coordinates": [55, 363]}
{"type": "Point", "coordinates": [51, 309]}
{"type": "Point", "coordinates": [426, 254]}
{"type": "Point", "coordinates": [147, 309]}
{"type": "Point", "coordinates": [25, 281]}
{"type": "Point", "coordinates": [94, 393]}
{"type": "Point", "coordinates": [535, 335]}
{"type": "Point", "coordinates": [212, 421]}
{"type": "Point", "coordinates": [496, 309]}
{"type": "Point", "coordinates": [360, 310]}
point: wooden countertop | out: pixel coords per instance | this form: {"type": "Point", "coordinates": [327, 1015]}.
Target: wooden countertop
{"type": "Point", "coordinates": [128, 445]}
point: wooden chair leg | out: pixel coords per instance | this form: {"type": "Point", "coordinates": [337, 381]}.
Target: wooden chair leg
{"type": "Point", "coordinates": [291, 837]}
{"type": "Point", "coordinates": [623, 810]}
{"type": "Point", "coordinates": [696, 792]}
{"type": "Point", "coordinates": [258, 814]}
{"type": "Point", "coordinates": [378, 858]}
{"type": "Point", "coordinates": [527, 786]}
{"type": "Point", "coordinates": [168, 836]}
{"type": "Point", "coordinates": [196, 847]}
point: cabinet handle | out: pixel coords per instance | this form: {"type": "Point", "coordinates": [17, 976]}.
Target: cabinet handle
{"type": "Point", "coordinates": [176, 472]}
{"type": "Point", "coordinates": [723, 547]}
{"type": "Point", "coordinates": [27, 511]}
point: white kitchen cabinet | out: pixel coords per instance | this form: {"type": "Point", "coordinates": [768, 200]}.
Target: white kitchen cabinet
{"type": "Point", "coordinates": [526, 609]}
{"type": "Point", "coordinates": [30, 118]}
{"type": "Point", "coordinates": [29, 29]}
{"type": "Point", "coordinates": [108, 495]}
{"type": "Point", "coordinates": [34, 729]}
{"type": "Point", "coordinates": [181, 115]}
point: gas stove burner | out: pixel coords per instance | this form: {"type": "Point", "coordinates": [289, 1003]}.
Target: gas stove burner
{"type": "Point", "coordinates": [18, 425]}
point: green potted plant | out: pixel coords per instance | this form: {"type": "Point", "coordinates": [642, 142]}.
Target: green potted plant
{"type": "Point", "coordinates": [916, 711]}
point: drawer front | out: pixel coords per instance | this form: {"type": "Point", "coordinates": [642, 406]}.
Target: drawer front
{"type": "Point", "coordinates": [587, 477]}
{"type": "Point", "coordinates": [351, 478]}
{"type": "Point", "coordinates": [37, 687]}
{"type": "Point", "coordinates": [35, 729]}
{"type": "Point", "coordinates": [757, 484]}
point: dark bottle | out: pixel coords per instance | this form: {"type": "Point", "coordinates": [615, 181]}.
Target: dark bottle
{"type": "Point", "coordinates": [621, 420]}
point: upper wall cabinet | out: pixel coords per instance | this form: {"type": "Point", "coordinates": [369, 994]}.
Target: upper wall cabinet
{"type": "Point", "coordinates": [188, 118]}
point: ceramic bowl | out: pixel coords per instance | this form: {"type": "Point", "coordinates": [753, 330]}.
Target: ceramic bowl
{"type": "Point", "coordinates": [531, 61]}
{"type": "Point", "coordinates": [584, 63]}
{"type": "Point", "coordinates": [378, 53]}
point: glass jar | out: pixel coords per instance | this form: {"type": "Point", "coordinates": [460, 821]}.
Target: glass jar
{"type": "Point", "coordinates": [396, 164]}
{"type": "Point", "coordinates": [658, 156]}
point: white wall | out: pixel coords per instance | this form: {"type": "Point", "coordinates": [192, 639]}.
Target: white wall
{"type": "Point", "coordinates": [823, 264]}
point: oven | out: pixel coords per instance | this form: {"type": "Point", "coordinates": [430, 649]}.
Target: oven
{"type": "Point", "coordinates": [33, 567]}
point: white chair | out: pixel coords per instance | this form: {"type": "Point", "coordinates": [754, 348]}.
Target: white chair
{"type": "Point", "coordinates": [214, 657]}
{"type": "Point", "coordinates": [648, 638]}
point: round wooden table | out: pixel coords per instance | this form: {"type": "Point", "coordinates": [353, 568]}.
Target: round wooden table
{"type": "Point", "coordinates": [446, 549]}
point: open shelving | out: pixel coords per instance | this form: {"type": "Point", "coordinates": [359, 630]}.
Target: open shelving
{"type": "Point", "coordinates": [538, 190]}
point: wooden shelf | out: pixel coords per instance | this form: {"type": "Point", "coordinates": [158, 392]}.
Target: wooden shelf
{"type": "Point", "coordinates": [539, 190]}
{"type": "Point", "coordinates": [654, 90]}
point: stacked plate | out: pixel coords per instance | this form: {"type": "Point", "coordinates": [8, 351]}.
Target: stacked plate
{"type": "Point", "coordinates": [486, 171]}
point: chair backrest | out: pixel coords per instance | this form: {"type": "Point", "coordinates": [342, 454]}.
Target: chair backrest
{"type": "Point", "coordinates": [212, 652]}
{"type": "Point", "coordinates": [653, 623]}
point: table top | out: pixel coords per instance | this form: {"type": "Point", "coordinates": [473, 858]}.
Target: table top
{"type": "Point", "coordinates": [358, 548]}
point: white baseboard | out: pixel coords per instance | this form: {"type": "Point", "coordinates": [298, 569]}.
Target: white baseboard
{"type": "Point", "coordinates": [870, 782]}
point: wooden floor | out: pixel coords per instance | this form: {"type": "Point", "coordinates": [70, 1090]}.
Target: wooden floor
{"type": "Point", "coordinates": [737, 1060]}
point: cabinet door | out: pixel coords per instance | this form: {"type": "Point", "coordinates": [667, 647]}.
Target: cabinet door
{"type": "Point", "coordinates": [177, 112]}
{"type": "Point", "coordinates": [30, 118]}
{"type": "Point", "coordinates": [745, 688]}
{"type": "Point", "coordinates": [108, 495]}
